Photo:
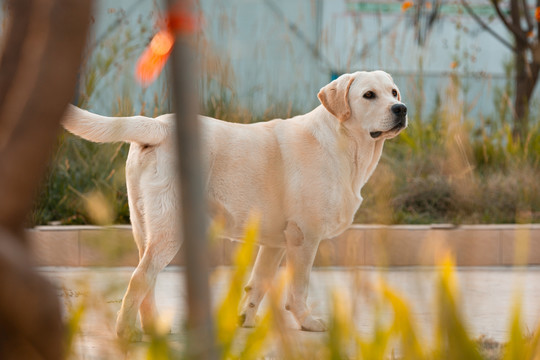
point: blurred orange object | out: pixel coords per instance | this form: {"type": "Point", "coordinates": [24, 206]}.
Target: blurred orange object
{"type": "Point", "coordinates": [162, 42]}
{"type": "Point", "coordinates": [155, 56]}
{"type": "Point", "coordinates": [406, 4]}
{"type": "Point", "coordinates": [537, 14]}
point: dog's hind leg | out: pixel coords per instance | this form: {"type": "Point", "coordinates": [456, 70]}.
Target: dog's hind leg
{"type": "Point", "coordinates": [148, 309]}
{"type": "Point", "coordinates": [137, 225]}
{"type": "Point", "coordinates": [161, 247]}
{"type": "Point", "coordinates": [266, 265]}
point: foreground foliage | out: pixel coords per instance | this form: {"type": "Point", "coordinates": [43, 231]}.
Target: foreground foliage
{"type": "Point", "coordinates": [394, 331]}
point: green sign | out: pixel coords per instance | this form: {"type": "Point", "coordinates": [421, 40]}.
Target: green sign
{"type": "Point", "coordinates": [396, 7]}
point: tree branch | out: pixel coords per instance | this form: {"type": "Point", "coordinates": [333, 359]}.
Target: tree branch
{"type": "Point", "coordinates": [517, 31]}
{"type": "Point", "coordinates": [530, 25]}
{"type": "Point", "coordinates": [486, 27]}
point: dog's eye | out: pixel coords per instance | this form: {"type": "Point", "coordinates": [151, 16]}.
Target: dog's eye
{"type": "Point", "coordinates": [394, 92]}
{"type": "Point", "coordinates": [369, 95]}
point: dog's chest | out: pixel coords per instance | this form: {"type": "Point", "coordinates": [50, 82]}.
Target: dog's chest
{"type": "Point", "coordinates": [342, 215]}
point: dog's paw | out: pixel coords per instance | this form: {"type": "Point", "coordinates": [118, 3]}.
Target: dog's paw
{"type": "Point", "coordinates": [312, 324]}
{"type": "Point", "coordinates": [130, 334]}
{"type": "Point", "coordinates": [244, 322]}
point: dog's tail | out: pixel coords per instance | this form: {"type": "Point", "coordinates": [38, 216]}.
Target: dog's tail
{"type": "Point", "coordinates": [97, 128]}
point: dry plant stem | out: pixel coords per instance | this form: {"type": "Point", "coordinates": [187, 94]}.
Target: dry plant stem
{"type": "Point", "coordinates": [38, 72]}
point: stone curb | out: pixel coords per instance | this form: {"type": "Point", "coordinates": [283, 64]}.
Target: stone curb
{"type": "Point", "coordinates": [360, 245]}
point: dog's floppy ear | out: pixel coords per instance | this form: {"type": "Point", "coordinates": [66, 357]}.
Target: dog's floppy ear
{"type": "Point", "coordinates": [335, 97]}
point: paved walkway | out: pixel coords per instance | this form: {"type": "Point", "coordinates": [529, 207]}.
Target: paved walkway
{"type": "Point", "coordinates": [487, 296]}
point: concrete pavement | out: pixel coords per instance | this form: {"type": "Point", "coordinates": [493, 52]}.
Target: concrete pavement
{"type": "Point", "coordinates": [487, 296]}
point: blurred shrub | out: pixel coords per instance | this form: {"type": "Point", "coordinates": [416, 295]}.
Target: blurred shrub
{"type": "Point", "coordinates": [79, 169]}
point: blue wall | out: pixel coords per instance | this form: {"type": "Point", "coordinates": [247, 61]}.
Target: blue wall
{"type": "Point", "coordinates": [265, 54]}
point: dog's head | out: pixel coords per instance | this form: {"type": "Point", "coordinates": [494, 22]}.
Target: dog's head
{"type": "Point", "coordinates": [366, 102]}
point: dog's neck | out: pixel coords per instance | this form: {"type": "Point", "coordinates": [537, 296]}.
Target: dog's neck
{"type": "Point", "coordinates": [363, 152]}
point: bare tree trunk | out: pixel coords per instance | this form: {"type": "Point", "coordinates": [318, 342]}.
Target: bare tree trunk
{"type": "Point", "coordinates": [521, 80]}
{"type": "Point", "coordinates": [526, 77]}
{"type": "Point", "coordinates": [521, 25]}
{"type": "Point", "coordinates": [37, 77]}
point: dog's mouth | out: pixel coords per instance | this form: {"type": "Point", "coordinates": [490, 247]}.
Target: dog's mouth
{"type": "Point", "coordinates": [399, 126]}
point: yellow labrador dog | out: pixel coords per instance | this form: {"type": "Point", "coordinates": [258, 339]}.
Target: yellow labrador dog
{"type": "Point", "coordinates": [303, 174]}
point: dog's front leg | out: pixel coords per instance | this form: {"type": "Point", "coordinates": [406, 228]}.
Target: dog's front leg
{"type": "Point", "coordinates": [301, 253]}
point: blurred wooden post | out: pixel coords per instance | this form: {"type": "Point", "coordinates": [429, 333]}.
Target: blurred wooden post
{"type": "Point", "coordinates": [41, 56]}
{"type": "Point", "coordinates": [200, 335]}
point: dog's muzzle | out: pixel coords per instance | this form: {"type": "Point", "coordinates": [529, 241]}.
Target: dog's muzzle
{"type": "Point", "coordinates": [400, 113]}
{"type": "Point", "coordinates": [400, 116]}
{"type": "Point", "coordinates": [399, 110]}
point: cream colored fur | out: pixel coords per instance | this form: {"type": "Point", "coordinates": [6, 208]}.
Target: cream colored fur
{"type": "Point", "coordinates": [303, 175]}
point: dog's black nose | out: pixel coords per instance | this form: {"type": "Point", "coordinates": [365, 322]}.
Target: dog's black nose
{"type": "Point", "coordinates": [399, 109]}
